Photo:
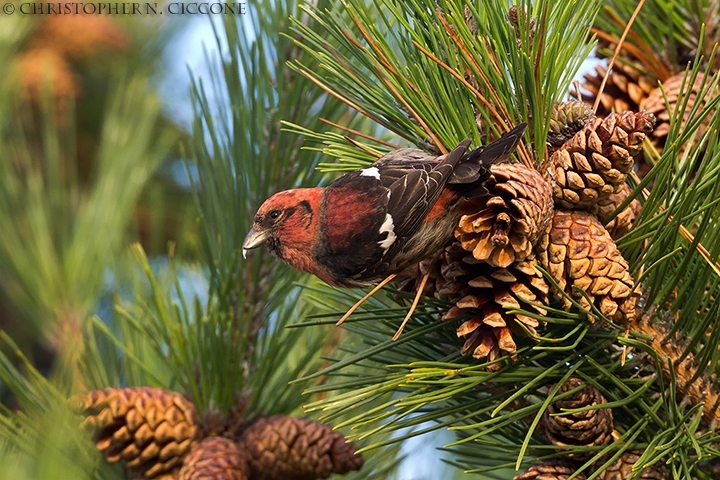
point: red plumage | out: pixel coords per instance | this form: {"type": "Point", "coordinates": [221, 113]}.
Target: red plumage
{"type": "Point", "coordinates": [378, 220]}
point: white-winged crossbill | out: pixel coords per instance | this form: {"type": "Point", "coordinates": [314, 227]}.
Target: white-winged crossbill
{"type": "Point", "coordinates": [379, 220]}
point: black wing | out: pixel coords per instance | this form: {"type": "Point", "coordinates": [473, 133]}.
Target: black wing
{"type": "Point", "coordinates": [411, 197]}
{"type": "Point", "coordinates": [473, 166]}
{"type": "Point", "coordinates": [394, 166]}
{"type": "Point", "coordinates": [368, 214]}
{"type": "Point", "coordinates": [384, 204]}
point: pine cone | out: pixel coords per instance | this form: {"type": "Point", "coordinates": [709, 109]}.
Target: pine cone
{"type": "Point", "coordinates": [588, 167]}
{"type": "Point", "coordinates": [486, 291]}
{"type": "Point", "coordinates": [588, 429]}
{"type": "Point", "coordinates": [625, 89]}
{"type": "Point", "coordinates": [472, 26]}
{"type": "Point", "coordinates": [622, 223]}
{"type": "Point", "coordinates": [470, 21]}
{"type": "Point", "coordinates": [292, 448]}
{"type": "Point", "coordinates": [622, 469]}
{"type": "Point", "coordinates": [148, 428]}
{"type": "Point", "coordinates": [502, 227]}
{"type": "Point", "coordinates": [579, 252]}
{"type": "Point", "coordinates": [567, 119]}
{"type": "Point", "coordinates": [671, 349]}
{"type": "Point", "coordinates": [676, 94]}
{"type": "Point", "coordinates": [516, 17]}
{"type": "Point", "coordinates": [215, 458]}
{"type": "Point", "coordinates": [41, 67]}
{"type": "Point", "coordinates": [81, 37]}
{"type": "Point", "coordinates": [706, 18]}
{"type": "Point", "coordinates": [550, 470]}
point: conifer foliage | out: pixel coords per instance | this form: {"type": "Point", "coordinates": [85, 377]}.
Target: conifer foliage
{"type": "Point", "coordinates": [563, 298]}
{"type": "Point", "coordinates": [168, 367]}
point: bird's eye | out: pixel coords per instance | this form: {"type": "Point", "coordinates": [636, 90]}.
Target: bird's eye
{"type": "Point", "coordinates": [274, 214]}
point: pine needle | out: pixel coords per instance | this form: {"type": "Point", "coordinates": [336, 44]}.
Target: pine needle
{"type": "Point", "coordinates": [365, 298]}
{"type": "Point", "coordinates": [618, 49]}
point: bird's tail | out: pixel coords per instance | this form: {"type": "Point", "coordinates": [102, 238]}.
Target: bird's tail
{"type": "Point", "coordinates": [470, 174]}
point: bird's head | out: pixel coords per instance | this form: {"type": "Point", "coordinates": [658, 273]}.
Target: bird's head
{"type": "Point", "coordinates": [286, 223]}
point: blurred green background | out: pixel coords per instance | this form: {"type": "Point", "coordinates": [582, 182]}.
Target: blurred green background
{"type": "Point", "coordinates": [106, 141]}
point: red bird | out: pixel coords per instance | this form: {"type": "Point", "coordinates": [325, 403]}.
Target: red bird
{"type": "Point", "coordinates": [379, 220]}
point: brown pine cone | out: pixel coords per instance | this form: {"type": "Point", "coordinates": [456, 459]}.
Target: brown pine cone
{"type": "Point", "coordinates": [676, 94]}
{"type": "Point", "coordinates": [566, 120]}
{"type": "Point", "coordinates": [588, 429]}
{"type": "Point", "coordinates": [292, 448]}
{"type": "Point", "coordinates": [705, 20]}
{"type": "Point", "coordinates": [148, 428]}
{"type": "Point", "coordinates": [579, 252]}
{"type": "Point", "coordinates": [625, 89]}
{"type": "Point", "coordinates": [516, 17]}
{"type": "Point", "coordinates": [486, 292]}
{"type": "Point", "coordinates": [80, 37]}
{"type": "Point", "coordinates": [588, 167]}
{"type": "Point", "coordinates": [38, 68]}
{"type": "Point", "coordinates": [473, 29]}
{"type": "Point", "coordinates": [215, 458]}
{"type": "Point", "coordinates": [622, 469]}
{"type": "Point", "coordinates": [622, 223]}
{"type": "Point", "coordinates": [550, 470]}
{"type": "Point", "coordinates": [502, 227]}
{"type": "Point", "coordinates": [671, 349]}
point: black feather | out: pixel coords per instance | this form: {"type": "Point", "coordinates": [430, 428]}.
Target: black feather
{"type": "Point", "coordinates": [404, 185]}
{"type": "Point", "coordinates": [470, 176]}
{"type": "Point", "coordinates": [411, 198]}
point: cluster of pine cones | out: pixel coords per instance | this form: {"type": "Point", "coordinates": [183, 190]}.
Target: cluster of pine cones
{"type": "Point", "coordinates": [159, 435]}
{"type": "Point", "coordinates": [60, 44]}
{"type": "Point", "coordinates": [634, 81]}
{"type": "Point", "coordinates": [629, 90]}
{"type": "Point", "coordinates": [558, 217]}
{"type": "Point", "coordinates": [588, 428]}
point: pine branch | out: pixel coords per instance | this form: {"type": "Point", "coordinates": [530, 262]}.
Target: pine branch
{"type": "Point", "coordinates": [374, 66]}
{"type": "Point", "coordinates": [227, 349]}
{"type": "Point", "coordinates": [407, 77]}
